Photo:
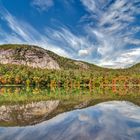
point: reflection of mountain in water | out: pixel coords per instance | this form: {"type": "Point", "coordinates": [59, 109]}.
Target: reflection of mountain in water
{"type": "Point", "coordinates": [23, 114]}
{"type": "Point", "coordinates": [106, 121]}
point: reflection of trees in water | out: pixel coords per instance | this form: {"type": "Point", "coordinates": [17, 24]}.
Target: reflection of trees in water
{"type": "Point", "coordinates": [10, 90]}
{"type": "Point", "coordinates": [72, 88]}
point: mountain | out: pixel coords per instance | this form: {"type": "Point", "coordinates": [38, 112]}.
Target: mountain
{"type": "Point", "coordinates": [37, 57]}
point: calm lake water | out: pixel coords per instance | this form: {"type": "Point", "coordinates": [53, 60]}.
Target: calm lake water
{"type": "Point", "coordinates": [114, 120]}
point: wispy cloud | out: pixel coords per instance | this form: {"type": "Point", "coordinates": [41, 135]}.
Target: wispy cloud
{"type": "Point", "coordinates": [76, 45]}
{"type": "Point", "coordinates": [22, 32]}
{"type": "Point", "coordinates": [113, 26]}
{"type": "Point", "coordinates": [42, 5]}
{"type": "Point", "coordinates": [61, 41]}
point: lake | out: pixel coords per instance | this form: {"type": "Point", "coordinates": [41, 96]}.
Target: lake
{"type": "Point", "coordinates": [113, 120]}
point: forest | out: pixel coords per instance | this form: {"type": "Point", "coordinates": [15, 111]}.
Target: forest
{"type": "Point", "coordinates": [24, 75]}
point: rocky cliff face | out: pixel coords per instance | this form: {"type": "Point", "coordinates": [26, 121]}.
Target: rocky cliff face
{"type": "Point", "coordinates": [37, 58]}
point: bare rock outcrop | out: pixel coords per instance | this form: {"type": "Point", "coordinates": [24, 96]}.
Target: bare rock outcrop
{"type": "Point", "coordinates": [37, 58]}
{"type": "Point", "coordinates": [82, 65]}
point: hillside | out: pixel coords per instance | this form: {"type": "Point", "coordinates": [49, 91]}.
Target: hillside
{"type": "Point", "coordinates": [31, 65]}
{"type": "Point", "coordinates": [37, 57]}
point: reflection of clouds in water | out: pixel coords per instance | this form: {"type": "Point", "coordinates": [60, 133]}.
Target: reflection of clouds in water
{"type": "Point", "coordinates": [83, 117]}
{"type": "Point", "coordinates": [125, 108]}
{"type": "Point", "coordinates": [111, 120]}
{"type": "Point", "coordinates": [115, 119]}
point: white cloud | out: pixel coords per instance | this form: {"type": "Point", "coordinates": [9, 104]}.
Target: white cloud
{"type": "Point", "coordinates": [42, 5]}
{"type": "Point", "coordinates": [83, 52]}
{"type": "Point", "coordinates": [90, 5]}
{"type": "Point", "coordinates": [113, 30]}
{"type": "Point", "coordinates": [59, 51]}
{"type": "Point", "coordinates": [132, 41]}
{"type": "Point", "coordinates": [127, 57]}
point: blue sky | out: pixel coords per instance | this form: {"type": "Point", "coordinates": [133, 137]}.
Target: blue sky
{"type": "Point", "coordinates": [103, 32]}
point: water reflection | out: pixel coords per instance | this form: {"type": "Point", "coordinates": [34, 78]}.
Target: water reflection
{"type": "Point", "coordinates": [112, 120]}
{"type": "Point", "coordinates": [110, 89]}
